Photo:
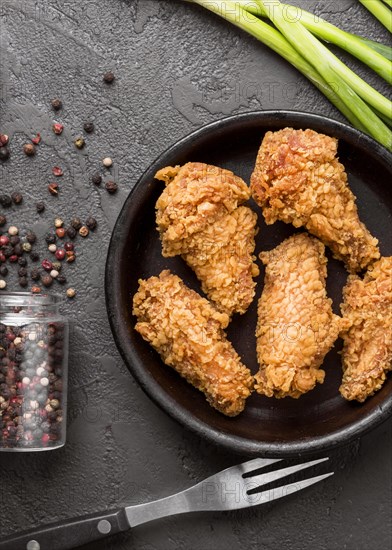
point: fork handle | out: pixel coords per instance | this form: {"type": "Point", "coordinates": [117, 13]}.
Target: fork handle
{"type": "Point", "coordinates": [69, 534]}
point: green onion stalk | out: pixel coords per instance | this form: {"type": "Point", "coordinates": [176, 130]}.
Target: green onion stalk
{"type": "Point", "coordinates": [292, 41]}
{"type": "Point", "coordinates": [380, 11]}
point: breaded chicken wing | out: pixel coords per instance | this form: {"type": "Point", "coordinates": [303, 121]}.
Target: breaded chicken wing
{"type": "Point", "coordinates": [199, 217]}
{"type": "Point", "coordinates": [367, 350]}
{"type": "Point", "coordinates": [187, 332]}
{"type": "Point", "coordinates": [296, 326]}
{"type": "Point", "coordinates": [298, 179]}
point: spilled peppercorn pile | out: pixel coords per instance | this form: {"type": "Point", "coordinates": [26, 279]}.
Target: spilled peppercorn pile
{"type": "Point", "coordinates": [18, 245]}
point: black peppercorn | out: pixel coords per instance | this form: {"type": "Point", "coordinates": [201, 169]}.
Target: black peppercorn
{"type": "Point", "coordinates": [22, 272]}
{"type": "Point", "coordinates": [18, 250]}
{"type": "Point", "coordinates": [88, 127]}
{"type": "Point", "coordinates": [61, 279]}
{"type": "Point", "coordinates": [35, 274]}
{"type": "Point", "coordinates": [34, 257]}
{"type": "Point", "coordinates": [91, 223]}
{"type": "Point", "coordinates": [3, 220]}
{"type": "Point", "coordinates": [22, 262]}
{"type": "Point", "coordinates": [5, 200]}
{"type": "Point", "coordinates": [14, 239]}
{"type": "Point", "coordinates": [4, 153]}
{"type": "Point", "coordinates": [23, 282]}
{"type": "Point", "coordinates": [3, 270]}
{"type": "Point", "coordinates": [96, 179]}
{"type": "Point", "coordinates": [29, 149]}
{"type": "Point", "coordinates": [46, 280]}
{"type": "Point", "coordinates": [71, 232]}
{"type": "Point", "coordinates": [108, 77]}
{"type": "Point", "coordinates": [56, 104]}
{"type": "Point", "coordinates": [31, 237]}
{"type": "Point", "coordinates": [17, 197]}
{"type": "Point", "coordinates": [76, 223]}
{"type": "Point", "coordinates": [40, 206]}
{"type": "Point", "coordinates": [50, 238]}
{"type": "Point", "coordinates": [8, 250]}
{"type": "Point", "coordinates": [111, 187]}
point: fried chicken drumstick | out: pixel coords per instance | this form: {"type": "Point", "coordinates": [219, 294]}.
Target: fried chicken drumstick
{"type": "Point", "coordinates": [296, 326]}
{"type": "Point", "coordinates": [298, 179]}
{"type": "Point", "coordinates": [187, 332]}
{"type": "Point", "coordinates": [367, 350]}
{"type": "Point", "coordinates": [199, 217]}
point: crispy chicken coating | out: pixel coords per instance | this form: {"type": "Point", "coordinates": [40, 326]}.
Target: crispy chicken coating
{"type": "Point", "coordinates": [199, 218]}
{"type": "Point", "coordinates": [367, 350]}
{"type": "Point", "coordinates": [296, 326]}
{"type": "Point", "coordinates": [298, 179]}
{"type": "Point", "coordinates": [187, 332]}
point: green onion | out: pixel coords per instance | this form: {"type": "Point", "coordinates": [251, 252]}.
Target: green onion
{"type": "Point", "coordinates": [386, 51]}
{"type": "Point", "coordinates": [352, 43]}
{"type": "Point", "coordinates": [324, 62]}
{"type": "Point", "coordinates": [379, 10]}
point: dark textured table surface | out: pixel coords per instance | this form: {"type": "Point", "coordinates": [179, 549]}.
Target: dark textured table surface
{"type": "Point", "coordinates": [177, 67]}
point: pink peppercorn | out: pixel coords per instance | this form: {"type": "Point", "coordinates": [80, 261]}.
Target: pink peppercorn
{"type": "Point", "coordinates": [13, 258]}
{"type": "Point", "coordinates": [45, 438]}
{"type": "Point", "coordinates": [60, 254]}
{"type": "Point", "coordinates": [68, 247]}
{"type": "Point", "coordinates": [4, 240]}
{"type": "Point", "coordinates": [57, 171]}
{"type": "Point", "coordinates": [58, 128]}
{"type": "Point", "coordinates": [47, 265]}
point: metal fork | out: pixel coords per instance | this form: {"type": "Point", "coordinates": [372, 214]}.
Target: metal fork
{"type": "Point", "coordinates": [230, 489]}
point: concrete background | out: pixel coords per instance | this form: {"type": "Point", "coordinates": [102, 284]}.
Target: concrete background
{"type": "Point", "coordinates": [177, 67]}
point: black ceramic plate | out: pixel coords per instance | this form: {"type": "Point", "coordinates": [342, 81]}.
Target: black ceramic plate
{"type": "Point", "coordinates": [318, 420]}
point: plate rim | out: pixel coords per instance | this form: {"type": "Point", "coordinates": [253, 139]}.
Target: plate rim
{"type": "Point", "coordinates": [146, 381]}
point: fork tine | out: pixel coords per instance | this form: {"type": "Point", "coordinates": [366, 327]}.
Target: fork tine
{"type": "Point", "coordinates": [256, 464]}
{"type": "Point", "coordinates": [262, 479]}
{"type": "Point", "coordinates": [284, 490]}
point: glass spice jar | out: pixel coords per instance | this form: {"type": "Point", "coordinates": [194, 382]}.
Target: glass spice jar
{"type": "Point", "coordinates": [33, 372]}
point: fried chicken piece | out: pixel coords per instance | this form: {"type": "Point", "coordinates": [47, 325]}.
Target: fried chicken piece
{"type": "Point", "coordinates": [298, 179]}
{"type": "Point", "coordinates": [367, 350]}
{"type": "Point", "coordinates": [187, 332]}
{"type": "Point", "coordinates": [296, 327]}
{"type": "Point", "coordinates": [199, 217]}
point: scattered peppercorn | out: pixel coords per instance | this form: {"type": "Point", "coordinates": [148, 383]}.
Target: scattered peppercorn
{"type": "Point", "coordinates": [3, 140]}
{"type": "Point", "coordinates": [71, 232]}
{"type": "Point", "coordinates": [47, 265]}
{"type": "Point", "coordinates": [96, 179]}
{"type": "Point", "coordinates": [107, 162]}
{"type": "Point", "coordinates": [68, 246]}
{"type": "Point", "coordinates": [14, 239]}
{"type": "Point", "coordinates": [111, 187]}
{"type": "Point", "coordinates": [17, 197]}
{"type": "Point", "coordinates": [5, 200]}
{"type": "Point", "coordinates": [88, 127]}
{"type": "Point", "coordinates": [31, 237]}
{"type": "Point", "coordinates": [91, 223]}
{"type": "Point", "coordinates": [34, 257]}
{"type": "Point", "coordinates": [71, 292]}
{"type": "Point", "coordinates": [58, 128]}
{"type": "Point", "coordinates": [53, 188]}
{"type": "Point", "coordinates": [26, 247]}
{"type": "Point", "coordinates": [84, 231]}
{"type": "Point", "coordinates": [79, 143]}
{"type": "Point", "coordinates": [29, 149]}
{"type": "Point", "coordinates": [23, 282]}
{"type": "Point", "coordinates": [58, 222]}
{"type": "Point", "coordinates": [61, 279]}
{"type": "Point", "coordinates": [56, 104]}
{"type": "Point", "coordinates": [60, 254]}
{"type": "Point", "coordinates": [37, 139]}
{"type": "Point", "coordinates": [70, 256]}
{"type": "Point", "coordinates": [18, 250]}
{"type": "Point", "coordinates": [46, 280]}
{"type": "Point", "coordinates": [50, 238]}
{"type": "Point", "coordinates": [52, 248]}
{"type": "Point", "coordinates": [3, 270]}
{"type": "Point", "coordinates": [13, 230]}
{"type": "Point", "coordinates": [35, 289]}
{"type": "Point", "coordinates": [4, 153]}
{"type": "Point", "coordinates": [60, 232]}
{"type": "Point", "coordinates": [54, 273]}
{"type": "Point", "coordinates": [57, 171]}
{"type": "Point", "coordinates": [3, 220]}
{"type": "Point", "coordinates": [13, 258]}
{"type": "Point", "coordinates": [76, 223]}
{"type": "Point", "coordinates": [22, 262]}
{"type": "Point", "coordinates": [108, 77]}
{"type": "Point", "coordinates": [22, 272]}
{"type": "Point", "coordinates": [40, 207]}
{"type": "Point", "coordinates": [3, 284]}
{"type": "Point", "coordinates": [57, 266]}
{"type": "Point", "coordinates": [35, 274]}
